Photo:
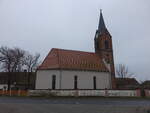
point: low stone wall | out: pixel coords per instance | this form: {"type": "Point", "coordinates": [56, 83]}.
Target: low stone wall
{"type": "Point", "coordinates": [103, 93]}
{"type": "Point", "coordinates": [123, 93]}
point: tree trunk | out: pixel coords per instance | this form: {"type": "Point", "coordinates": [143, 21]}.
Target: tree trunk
{"type": "Point", "coordinates": [9, 80]}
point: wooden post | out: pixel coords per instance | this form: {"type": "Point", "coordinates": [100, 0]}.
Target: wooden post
{"type": "Point", "coordinates": [19, 92]}
{"type": "Point", "coordinates": [10, 92]}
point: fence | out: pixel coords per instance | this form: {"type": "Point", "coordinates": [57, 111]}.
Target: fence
{"type": "Point", "coordinates": [14, 92]}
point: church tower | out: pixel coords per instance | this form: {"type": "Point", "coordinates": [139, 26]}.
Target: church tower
{"type": "Point", "coordinates": [104, 48]}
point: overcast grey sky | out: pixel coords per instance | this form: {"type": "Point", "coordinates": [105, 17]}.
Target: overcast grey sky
{"type": "Point", "coordinates": [39, 25]}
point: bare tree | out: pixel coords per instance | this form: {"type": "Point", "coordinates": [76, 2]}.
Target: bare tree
{"type": "Point", "coordinates": [16, 60]}
{"type": "Point", "coordinates": [6, 58]}
{"type": "Point", "coordinates": [31, 62]}
{"type": "Point", "coordinates": [11, 60]}
{"type": "Point", "coordinates": [122, 71]}
{"type": "Point", "coordinates": [18, 56]}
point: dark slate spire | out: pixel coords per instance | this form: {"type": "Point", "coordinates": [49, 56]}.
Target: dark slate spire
{"type": "Point", "coordinates": [101, 26]}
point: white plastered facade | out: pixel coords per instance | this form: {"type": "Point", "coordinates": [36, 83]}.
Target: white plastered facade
{"type": "Point", "coordinates": [65, 79]}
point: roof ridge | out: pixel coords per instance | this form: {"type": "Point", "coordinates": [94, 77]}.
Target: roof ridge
{"type": "Point", "coordinates": [73, 50]}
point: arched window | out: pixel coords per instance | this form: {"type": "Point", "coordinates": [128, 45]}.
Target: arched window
{"type": "Point", "coordinates": [106, 44]}
{"type": "Point", "coordinates": [53, 81]}
{"type": "Point", "coordinates": [75, 82]}
{"type": "Point", "coordinates": [94, 82]}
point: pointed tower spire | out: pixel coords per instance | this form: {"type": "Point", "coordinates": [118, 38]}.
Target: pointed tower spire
{"type": "Point", "coordinates": [101, 26]}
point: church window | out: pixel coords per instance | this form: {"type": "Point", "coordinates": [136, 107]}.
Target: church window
{"type": "Point", "coordinates": [94, 82]}
{"type": "Point", "coordinates": [53, 81]}
{"type": "Point", "coordinates": [106, 44]}
{"type": "Point", "coordinates": [75, 82]}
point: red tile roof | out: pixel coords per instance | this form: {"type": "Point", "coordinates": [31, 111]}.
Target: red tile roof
{"type": "Point", "coordinates": [73, 60]}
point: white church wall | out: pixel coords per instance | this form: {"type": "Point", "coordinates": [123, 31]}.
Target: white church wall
{"type": "Point", "coordinates": [65, 79]}
{"type": "Point", "coordinates": [44, 79]}
{"type": "Point", "coordinates": [85, 79]}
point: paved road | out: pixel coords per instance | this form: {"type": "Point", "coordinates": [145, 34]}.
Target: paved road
{"type": "Point", "coordinates": [96, 101]}
{"type": "Point", "coordinates": [73, 105]}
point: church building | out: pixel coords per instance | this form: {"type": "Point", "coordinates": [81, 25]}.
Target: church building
{"type": "Point", "coordinates": [71, 69]}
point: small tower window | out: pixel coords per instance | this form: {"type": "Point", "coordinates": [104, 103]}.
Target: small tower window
{"type": "Point", "coordinates": [98, 47]}
{"type": "Point", "coordinates": [94, 82]}
{"type": "Point", "coordinates": [53, 81]}
{"type": "Point", "coordinates": [75, 82]}
{"type": "Point", "coordinates": [106, 44]}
